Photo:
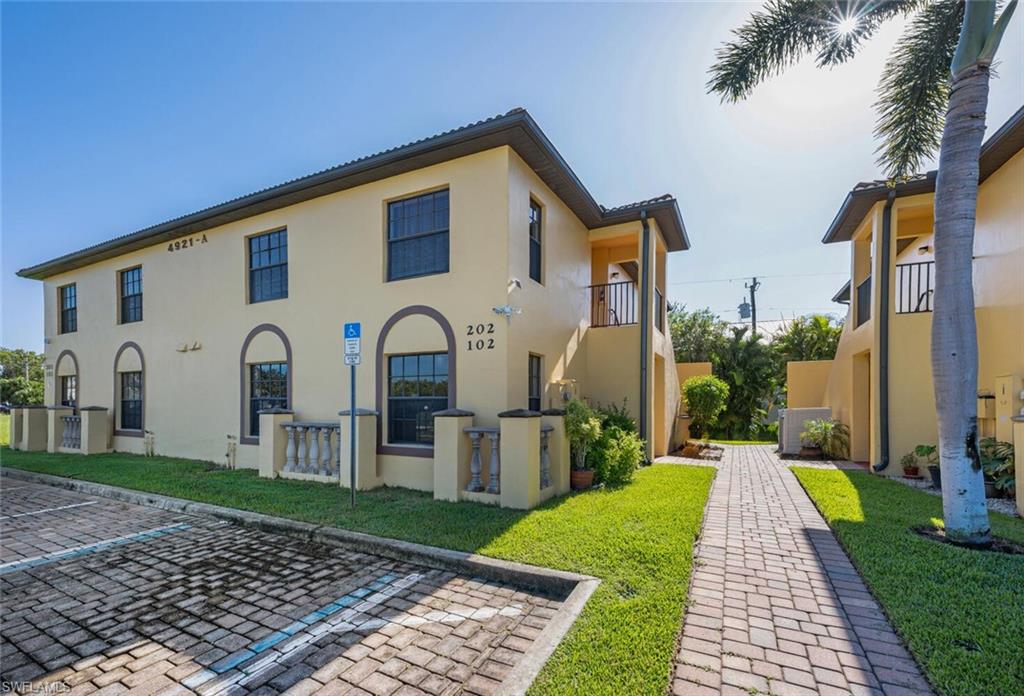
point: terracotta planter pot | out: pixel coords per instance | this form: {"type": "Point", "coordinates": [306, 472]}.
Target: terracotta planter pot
{"type": "Point", "coordinates": [810, 452]}
{"type": "Point", "coordinates": [911, 471]}
{"type": "Point", "coordinates": [581, 479]}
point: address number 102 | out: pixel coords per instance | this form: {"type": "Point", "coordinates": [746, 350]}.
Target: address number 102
{"type": "Point", "coordinates": [480, 331]}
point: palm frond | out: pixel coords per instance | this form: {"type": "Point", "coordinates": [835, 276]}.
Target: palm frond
{"type": "Point", "coordinates": [787, 30]}
{"type": "Point", "coordinates": [914, 89]}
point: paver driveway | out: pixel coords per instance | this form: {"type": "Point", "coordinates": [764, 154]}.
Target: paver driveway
{"type": "Point", "coordinates": [108, 597]}
{"type": "Point", "coordinates": [777, 607]}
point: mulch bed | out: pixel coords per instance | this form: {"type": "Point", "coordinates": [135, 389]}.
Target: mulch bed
{"type": "Point", "coordinates": [998, 545]}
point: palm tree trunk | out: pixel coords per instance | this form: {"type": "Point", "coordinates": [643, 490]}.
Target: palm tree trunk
{"type": "Point", "coordinates": [954, 333]}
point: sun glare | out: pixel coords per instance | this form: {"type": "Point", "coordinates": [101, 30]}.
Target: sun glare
{"type": "Point", "coordinates": [846, 25]}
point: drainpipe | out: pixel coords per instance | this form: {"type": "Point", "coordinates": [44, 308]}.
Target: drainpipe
{"type": "Point", "coordinates": [883, 333]}
{"type": "Point", "coordinates": [645, 320]}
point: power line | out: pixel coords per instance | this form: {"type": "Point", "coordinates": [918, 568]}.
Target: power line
{"type": "Point", "coordinates": [744, 278]}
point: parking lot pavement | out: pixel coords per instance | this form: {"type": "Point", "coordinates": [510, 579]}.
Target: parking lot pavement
{"type": "Point", "coordinates": [105, 597]}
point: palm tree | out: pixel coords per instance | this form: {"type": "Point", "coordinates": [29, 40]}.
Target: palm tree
{"type": "Point", "coordinates": [933, 93]}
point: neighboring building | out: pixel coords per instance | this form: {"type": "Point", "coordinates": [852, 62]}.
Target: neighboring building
{"type": "Point", "coordinates": [189, 328]}
{"type": "Point", "coordinates": [890, 231]}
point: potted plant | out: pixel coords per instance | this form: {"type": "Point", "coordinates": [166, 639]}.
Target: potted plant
{"type": "Point", "coordinates": [931, 455]}
{"type": "Point", "coordinates": [583, 428]}
{"type": "Point", "coordinates": [909, 464]}
{"type": "Point", "coordinates": [825, 436]}
{"type": "Point", "coordinates": [997, 466]}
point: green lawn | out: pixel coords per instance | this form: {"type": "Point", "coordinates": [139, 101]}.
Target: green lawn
{"type": "Point", "coordinates": [960, 611]}
{"type": "Point", "coordinates": [5, 428]}
{"type": "Point", "coordinates": [638, 539]}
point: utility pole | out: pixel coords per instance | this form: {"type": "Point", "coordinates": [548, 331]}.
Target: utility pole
{"type": "Point", "coordinates": [753, 286]}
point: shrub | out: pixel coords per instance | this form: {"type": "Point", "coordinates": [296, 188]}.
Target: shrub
{"type": "Point", "coordinates": [830, 435]}
{"type": "Point", "coordinates": [617, 416]}
{"type": "Point", "coordinates": [583, 428]}
{"type": "Point", "coordinates": [706, 397]}
{"type": "Point", "coordinates": [616, 456]}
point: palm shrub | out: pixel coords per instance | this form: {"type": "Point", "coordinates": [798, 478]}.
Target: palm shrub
{"type": "Point", "coordinates": [583, 428]}
{"type": "Point", "coordinates": [831, 436]}
{"type": "Point", "coordinates": [706, 397]}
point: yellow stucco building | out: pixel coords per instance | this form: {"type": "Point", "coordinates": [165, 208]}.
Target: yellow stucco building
{"type": "Point", "coordinates": [880, 382]}
{"type": "Point", "coordinates": [484, 274]}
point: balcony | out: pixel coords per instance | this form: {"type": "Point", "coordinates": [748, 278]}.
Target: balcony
{"type": "Point", "coordinates": [863, 301]}
{"type": "Point", "coordinates": [613, 304]}
{"type": "Point", "coordinates": [915, 286]}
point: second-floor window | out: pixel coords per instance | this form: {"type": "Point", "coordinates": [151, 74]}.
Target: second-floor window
{"type": "Point", "coordinates": [68, 296]}
{"type": "Point", "coordinates": [535, 241]}
{"type": "Point", "coordinates": [418, 236]}
{"type": "Point", "coordinates": [131, 295]}
{"type": "Point", "coordinates": [268, 266]}
{"type": "Point", "coordinates": [534, 395]}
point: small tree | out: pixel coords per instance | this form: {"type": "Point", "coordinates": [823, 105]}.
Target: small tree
{"type": "Point", "coordinates": [583, 428]}
{"type": "Point", "coordinates": [706, 397]}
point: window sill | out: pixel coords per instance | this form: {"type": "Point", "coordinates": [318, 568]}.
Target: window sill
{"type": "Point", "coordinates": [269, 299]}
{"type": "Point", "coordinates": [249, 440]}
{"type": "Point", "coordinates": [129, 433]}
{"type": "Point", "coordinates": [420, 275]}
{"type": "Point", "coordinates": [424, 451]}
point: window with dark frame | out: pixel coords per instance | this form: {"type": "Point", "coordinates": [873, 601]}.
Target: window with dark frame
{"type": "Point", "coordinates": [418, 236]}
{"type": "Point", "coordinates": [417, 386]}
{"type": "Point", "coordinates": [268, 388]}
{"type": "Point", "coordinates": [131, 295]}
{"type": "Point", "coordinates": [69, 391]}
{"type": "Point", "coordinates": [534, 389]}
{"type": "Point", "coordinates": [268, 266]}
{"type": "Point", "coordinates": [131, 401]}
{"type": "Point", "coordinates": [68, 308]}
{"type": "Point", "coordinates": [535, 240]}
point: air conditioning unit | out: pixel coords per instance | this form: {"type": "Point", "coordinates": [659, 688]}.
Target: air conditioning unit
{"type": "Point", "coordinates": [791, 424]}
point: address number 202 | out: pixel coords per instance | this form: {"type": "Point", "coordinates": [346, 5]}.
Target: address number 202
{"type": "Point", "coordinates": [480, 331]}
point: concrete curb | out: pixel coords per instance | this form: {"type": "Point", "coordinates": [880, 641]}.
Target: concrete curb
{"type": "Point", "coordinates": [575, 588]}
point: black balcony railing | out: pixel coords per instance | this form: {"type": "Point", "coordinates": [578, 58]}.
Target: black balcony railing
{"type": "Point", "coordinates": [659, 310]}
{"type": "Point", "coordinates": [613, 304]}
{"type": "Point", "coordinates": [915, 285]}
{"type": "Point", "coordinates": [864, 301]}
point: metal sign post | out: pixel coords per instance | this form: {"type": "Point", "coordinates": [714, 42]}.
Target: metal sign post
{"type": "Point", "coordinates": [353, 356]}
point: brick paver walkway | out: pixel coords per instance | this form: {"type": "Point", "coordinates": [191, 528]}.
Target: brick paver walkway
{"type": "Point", "coordinates": [104, 597]}
{"type": "Point", "coordinates": [777, 607]}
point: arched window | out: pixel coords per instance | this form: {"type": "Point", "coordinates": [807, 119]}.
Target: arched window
{"type": "Point", "coordinates": [66, 384]}
{"type": "Point", "coordinates": [129, 391]}
{"type": "Point", "coordinates": [265, 378]}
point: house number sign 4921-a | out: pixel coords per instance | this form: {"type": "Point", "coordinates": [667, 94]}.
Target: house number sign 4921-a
{"type": "Point", "coordinates": [185, 243]}
{"type": "Point", "coordinates": [478, 334]}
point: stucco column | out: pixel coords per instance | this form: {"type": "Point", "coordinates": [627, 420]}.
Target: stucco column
{"type": "Point", "coordinates": [17, 417]}
{"type": "Point", "coordinates": [34, 427]}
{"type": "Point", "coordinates": [366, 449]}
{"type": "Point", "coordinates": [1018, 460]}
{"type": "Point", "coordinates": [55, 426]}
{"type": "Point", "coordinates": [95, 429]}
{"type": "Point", "coordinates": [273, 440]}
{"type": "Point", "coordinates": [558, 449]}
{"type": "Point", "coordinates": [451, 453]}
{"type": "Point", "coordinates": [520, 459]}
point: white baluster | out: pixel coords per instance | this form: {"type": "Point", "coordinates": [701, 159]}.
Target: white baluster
{"type": "Point", "coordinates": [475, 484]}
{"type": "Point", "coordinates": [301, 454]}
{"type": "Point", "coordinates": [337, 450]}
{"type": "Point", "coordinates": [289, 450]}
{"type": "Point", "coordinates": [314, 449]}
{"type": "Point", "coordinates": [65, 436]}
{"type": "Point", "coordinates": [494, 472]}
{"type": "Point", "coordinates": [545, 460]}
{"type": "Point", "coordinates": [326, 458]}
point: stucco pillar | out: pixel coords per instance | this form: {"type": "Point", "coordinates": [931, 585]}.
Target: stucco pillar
{"type": "Point", "coordinates": [34, 426]}
{"type": "Point", "coordinates": [451, 453]}
{"type": "Point", "coordinates": [273, 440]}
{"type": "Point", "coordinates": [520, 459]}
{"type": "Point", "coordinates": [558, 449]}
{"type": "Point", "coordinates": [55, 426]}
{"type": "Point", "coordinates": [95, 429]}
{"type": "Point", "coordinates": [17, 417]}
{"type": "Point", "coordinates": [366, 449]}
{"type": "Point", "coordinates": [1018, 460]}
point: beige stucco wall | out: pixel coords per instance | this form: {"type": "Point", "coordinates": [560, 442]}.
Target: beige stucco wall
{"type": "Point", "coordinates": [805, 383]}
{"type": "Point", "coordinates": [196, 315]}
{"type": "Point", "coordinates": [999, 302]}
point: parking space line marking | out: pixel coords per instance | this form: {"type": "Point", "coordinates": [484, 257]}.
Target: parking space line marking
{"type": "Point", "coordinates": [53, 509]}
{"type": "Point", "coordinates": [78, 551]}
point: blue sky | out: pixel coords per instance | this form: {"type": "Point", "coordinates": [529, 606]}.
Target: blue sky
{"type": "Point", "coordinates": [117, 116]}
